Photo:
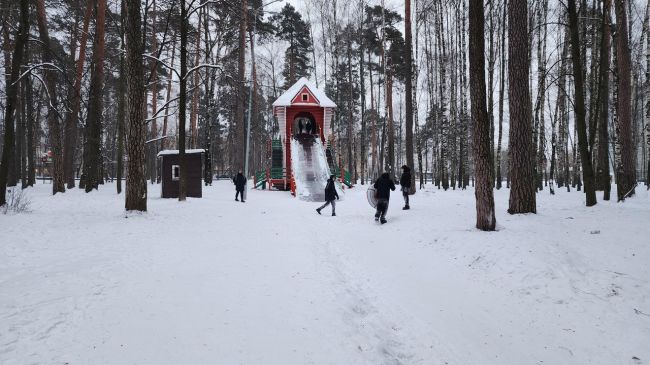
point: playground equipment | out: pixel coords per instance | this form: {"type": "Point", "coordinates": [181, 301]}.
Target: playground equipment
{"type": "Point", "coordinates": [303, 157]}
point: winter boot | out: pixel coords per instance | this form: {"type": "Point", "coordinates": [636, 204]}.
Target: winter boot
{"type": "Point", "coordinates": [318, 210]}
{"type": "Point", "coordinates": [377, 217]}
{"type": "Point", "coordinates": [333, 214]}
{"type": "Point", "coordinates": [383, 220]}
{"type": "Point", "coordinates": [406, 207]}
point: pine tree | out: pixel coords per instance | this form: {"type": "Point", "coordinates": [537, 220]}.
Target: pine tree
{"type": "Point", "coordinates": [520, 146]}
{"type": "Point", "coordinates": [580, 112]}
{"type": "Point", "coordinates": [22, 36]}
{"type": "Point", "coordinates": [290, 27]}
{"type": "Point", "coordinates": [485, 217]}
{"type": "Point", "coordinates": [626, 170]}
{"type": "Point", "coordinates": [136, 181]}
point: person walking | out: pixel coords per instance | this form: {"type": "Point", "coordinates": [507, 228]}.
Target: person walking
{"type": "Point", "coordinates": [405, 183]}
{"type": "Point", "coordinates": [240, 185]}
{"type": "Point", "coordinates": [330, 195]}
{"type": "Point", "coordinates": [383, 186]}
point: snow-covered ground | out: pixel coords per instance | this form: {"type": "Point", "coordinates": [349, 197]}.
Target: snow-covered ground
{"type": "Point", "coordinates": [214, 281]}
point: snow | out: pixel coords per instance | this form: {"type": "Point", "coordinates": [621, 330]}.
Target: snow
{"type": "Point", "coordinates": [311, 171]}
{"type": "Point", "coordinates": [176, 152]}
{"type": "Point", "coordinates": [270, 281]}
{"type": "Point", "coordinates": [286, 98]}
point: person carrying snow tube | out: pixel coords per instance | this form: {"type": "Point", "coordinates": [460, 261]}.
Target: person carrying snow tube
{"type": "Point", "coordinates": [330, 196]}
{"type": "Point", "coordinates": [240, 185]}
{"type": "Point", "coordinates": [405, 183]}
{"type": "Point", "coordinates": [383, 187]}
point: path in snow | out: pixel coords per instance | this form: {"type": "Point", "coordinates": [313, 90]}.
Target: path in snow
{"type": "Point", "coordinates": [271, 282]}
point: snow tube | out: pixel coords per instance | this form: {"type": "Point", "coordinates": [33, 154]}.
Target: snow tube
{"type": "Point", "coordinates": [372, 200]}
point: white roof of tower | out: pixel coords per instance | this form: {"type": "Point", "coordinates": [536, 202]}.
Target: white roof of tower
{"type": "Point", "coordinates": [286, 98]}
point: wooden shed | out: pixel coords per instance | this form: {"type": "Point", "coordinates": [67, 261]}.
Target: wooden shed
{"type": "Point", "coordinates": [170, 172]}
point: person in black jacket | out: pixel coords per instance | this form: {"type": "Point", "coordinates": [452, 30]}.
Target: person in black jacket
{"type": "Point", "coordinates": [240, 184]}
{"type": "Point", "coordinates": [405, 183]}
{"type": "Point", "coordinates": [383, 187]}
{"type": "Point", "coordinates": [330, 195]}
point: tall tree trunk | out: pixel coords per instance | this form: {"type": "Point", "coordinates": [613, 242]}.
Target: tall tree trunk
{"type": "Point", "coordinates": [12, 96]}
{"type": "Point", "coordinates": [194, 111]}
{"type": "Point", "coordinates": [182, 105]}
{"type": "Point", "coordinates": [72, 118]}
{"type": "Point", "coordinates": [350, 131]}
{"type": "Point", "coordinates": [92, 150]}
{"type": "Point", "coordinates": [29, 100]}
{"type": "Point", "coordinates": [136, 181]}
{"type": "Point", "coordinates": [502, 79]}
{"type": "Point", "coordinates": [521, 172]}
{"type": "Point", "coordinates": [239, 122]}
{"type": "Point", "coordinates": [121, 104]}
{"type": "Point", "coordinates": [409, 88]}
{"type": "Point", "coordinates": [362, 85]}
{"type": "Point", "coordinates": [541, 94]}
{"type": "Point", "coordinates": [647, 97]}
{"type": "Point", "coordinates": [485, 217]}
{"type": "Point", "coordinates": [54, 128]}
{"type": "Point", "coordinates": [164, 142]}
{"type": "Point", "coordinates": [390, 155]}
{"type": "Point", "coordinates": [626, 171]}
{"type": "Point", "coordinates": [153, 146]}
{"type": "Point", "coordinates": [579, 101]}
{"type": "Point", "coordinates": [603, 180]}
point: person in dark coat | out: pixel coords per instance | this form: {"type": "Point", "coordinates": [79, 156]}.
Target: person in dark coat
{"type": "Point", "coordinates": [330, 195]}
{"type": "Point", "coordinates": [383, 186]}
{"type": "Point", "coordinates": [240, 184]}
{"type": "Point", "coordinates": [405, 183]}
{"type": "Point", "coordinates": [301, 126]}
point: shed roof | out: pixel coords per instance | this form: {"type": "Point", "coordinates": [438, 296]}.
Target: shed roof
{"type": "Point", "coordinates": [176, 152]}
{"type": "Point", "coordinates": [286, 98]}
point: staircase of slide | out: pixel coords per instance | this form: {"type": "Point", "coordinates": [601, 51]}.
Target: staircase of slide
{"type": "Point", "coordinates": [310, 167]}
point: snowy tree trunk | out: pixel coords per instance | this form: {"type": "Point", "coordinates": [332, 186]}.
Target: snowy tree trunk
{"type": "Point", "coordinates": [579, 101]}
{"type": "Point", "coordinates": [54, 128]}
{"type": "Point", "coordinates": [92, 147]}
{"type": "Point", "coordinates": [521, 173]}
{"type": "Point", "coordinates": [485, 218]}
{"type": "Point", "coordinates": [136, 183]}
{"type": "Point", "coordinates": [602, 163]}
{"type": "Point", "coordinates": [626, 170]}
{"type": "Point", "coordinates": [72, 118]}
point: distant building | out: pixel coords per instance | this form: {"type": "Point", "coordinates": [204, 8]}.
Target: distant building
{"type": "Point", "coordinates": [171, 172]}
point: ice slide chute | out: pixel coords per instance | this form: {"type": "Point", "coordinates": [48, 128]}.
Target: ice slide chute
{"type": "Point", "coordinates": [309, 168]}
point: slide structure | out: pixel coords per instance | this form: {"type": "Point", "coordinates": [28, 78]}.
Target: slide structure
{"type": "Point", "coordinates": [310, 168]}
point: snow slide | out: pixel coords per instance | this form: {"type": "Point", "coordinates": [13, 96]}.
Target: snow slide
{"type": "Point", "coordinates": [310, 168]}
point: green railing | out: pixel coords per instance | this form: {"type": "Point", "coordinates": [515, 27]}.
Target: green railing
{"type": "Point", "coordinates": [278, 173]}
{"type": "Point", "coordinates": [260, 180]}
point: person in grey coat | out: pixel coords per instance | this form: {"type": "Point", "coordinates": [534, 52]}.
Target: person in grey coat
{"type": "Point", "coordinates": [330, 195]}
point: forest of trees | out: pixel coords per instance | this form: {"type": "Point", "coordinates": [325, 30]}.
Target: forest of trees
{"type": "Point", "coordinates": [532, 96]}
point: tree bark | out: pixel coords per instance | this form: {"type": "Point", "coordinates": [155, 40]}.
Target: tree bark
{"type": "Point", "coordinates": [485, 218]}
{"type": "Point", "coordinates": [502, 79]}
{"type": "Point", "coordinates": [579, 102]}
{"type": "Point", "coordinates": [136, 181]}
{"type": "Point", "coordinates": [93, 145]}
{"type": "Point", "coordinates": [409, 88]}
{"type": "Point", "coordinates": [626, 171]}
{"type": "Point", "coordinates": [239, 122]}
{"type": "Point", "coordinates": [22, 36]}
{"type": "Point", "coordinates": [72, 118]}
{"type": "Point", "coordinates": [54, 128]}
{"type": "Point", "coordinates": [603, 180]}
{"type": "Point", "coordinates": [182, 105]}
{"type": "Point", "coordinates": [521, 171]}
